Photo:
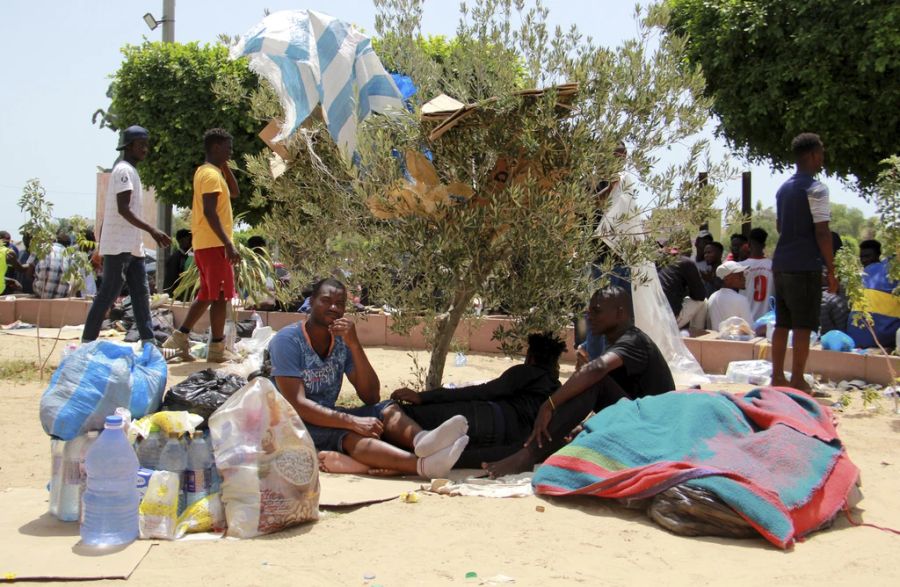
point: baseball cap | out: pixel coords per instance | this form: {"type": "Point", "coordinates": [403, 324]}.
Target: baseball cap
{"type": "Point", "coordinates": [728, 268]}
{"type": "Point", "coordinates": [131, 134]}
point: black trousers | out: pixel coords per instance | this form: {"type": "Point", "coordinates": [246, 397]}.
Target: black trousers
{"type": "Point", "coordinates": [490, 440]}
{"type": "Point", "coordinates": [573, 413]}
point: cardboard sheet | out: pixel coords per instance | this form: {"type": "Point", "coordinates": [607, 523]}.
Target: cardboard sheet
{"type": "Point", "coordinates": [356, 490]}
{"type": "Point", "coordinates": [35, 545]}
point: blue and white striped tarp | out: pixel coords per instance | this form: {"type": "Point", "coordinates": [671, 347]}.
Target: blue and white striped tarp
{"type": "Point", "coordinates": [311, 58]}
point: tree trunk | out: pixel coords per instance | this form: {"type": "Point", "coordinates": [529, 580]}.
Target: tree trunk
{"type": "Point", "coordinates": [446, 328]}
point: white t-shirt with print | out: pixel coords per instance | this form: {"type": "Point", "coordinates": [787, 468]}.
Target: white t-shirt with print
{"type": "Point", "coordinates": [760, 285]}
{"type": "Point", "coordinates": [726, 303]}
{"type": "Point", "coordinates": [117, 235]}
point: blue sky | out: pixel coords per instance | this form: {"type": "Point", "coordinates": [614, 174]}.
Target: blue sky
{"type": "Point", "coordinates": [60, 55]}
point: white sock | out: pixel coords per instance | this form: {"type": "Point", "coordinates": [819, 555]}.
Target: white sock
{"type": "Point", "coordinates": [428, 442]}
{"type": "Point", "coordinates": [440, 463]}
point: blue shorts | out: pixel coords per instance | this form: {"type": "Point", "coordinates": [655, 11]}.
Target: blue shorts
{"type": "Point", "coordinates": [333, 438]}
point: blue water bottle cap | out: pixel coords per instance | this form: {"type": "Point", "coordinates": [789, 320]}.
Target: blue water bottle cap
{"type": "Point", "coordinates": [114, 420]}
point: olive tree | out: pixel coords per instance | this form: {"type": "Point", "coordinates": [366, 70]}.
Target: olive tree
{"type": "Point", "coordinates": [500, 204]}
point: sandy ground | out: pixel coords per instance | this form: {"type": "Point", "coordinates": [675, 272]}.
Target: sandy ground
{"type": "Point", "coordinates": [439, 539]}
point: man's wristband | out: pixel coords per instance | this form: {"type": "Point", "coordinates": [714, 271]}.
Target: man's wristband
{"type": "Point", "coordinates": [552, 405]}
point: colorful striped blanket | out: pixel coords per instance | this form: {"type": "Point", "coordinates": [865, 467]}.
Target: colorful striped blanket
{"type": "Point", "coordinates": [773, 455]}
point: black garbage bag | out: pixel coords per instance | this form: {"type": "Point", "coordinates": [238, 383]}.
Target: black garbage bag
{"type": "Point", "coordinates": [692, 511]}
{"type": "Point", "coordinates": [202, 393]}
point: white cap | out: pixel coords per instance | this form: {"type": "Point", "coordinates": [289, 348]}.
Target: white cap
{"type": "Point", "coordinates": [728, 268]}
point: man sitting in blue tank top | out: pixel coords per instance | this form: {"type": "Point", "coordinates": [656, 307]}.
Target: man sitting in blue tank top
{"type": "Point", "coordinates": [309, 361]}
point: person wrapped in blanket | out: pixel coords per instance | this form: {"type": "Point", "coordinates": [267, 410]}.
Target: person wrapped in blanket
{"type": "Point", "coordinates": [500, 412]}
{"type": "Point", "coordinates": [631, 367]}
{"type": "Point", "coordinates": [309, 361]}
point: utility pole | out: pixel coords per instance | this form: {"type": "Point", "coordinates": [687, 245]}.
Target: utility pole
{"type": "Point", "coordinates": [746, 204]}
{"type": "Point", "coordinates": [164, 210]}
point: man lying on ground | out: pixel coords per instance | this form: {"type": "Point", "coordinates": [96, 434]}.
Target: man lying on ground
{"type": "Point", "coordinates": [500, 412]}
{"type": "Point", "coordinates": [309, 360]}
{"type": "Point", "coordinates": [631, 367]}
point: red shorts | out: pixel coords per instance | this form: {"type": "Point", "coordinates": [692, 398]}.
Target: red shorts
{"type": "Point", "coordinates": [216, 274]}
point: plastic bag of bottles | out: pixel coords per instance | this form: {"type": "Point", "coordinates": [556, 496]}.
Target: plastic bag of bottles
{"type": "Point", "coordinates": [95, 379]}
{"type": "Point", "coordinates": [267, 461]}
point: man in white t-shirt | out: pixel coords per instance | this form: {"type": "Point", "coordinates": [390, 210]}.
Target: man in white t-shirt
{"type": "Point", "coordinates": [728, 302]}
{"type": "Point", "coordinates": [760, 280]}
{"type": "Point", "coordinates": [121, 242]}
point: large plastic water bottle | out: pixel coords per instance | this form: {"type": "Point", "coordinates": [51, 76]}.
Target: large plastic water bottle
{"type": "Point", "coordinates": [57, 450]}
{"type": "Point", "coordinates": [90, 438]}
{"type": "Point", "coordinates": [111, 497]}
{"type": "Point", "coordinates": [69, 509]}
{"type": "Point", "coordinates": [173, 458]}
{"type": "Point", "coordinates": [198, 477]}
{"type": "Point", "coordinates": [148, 450]}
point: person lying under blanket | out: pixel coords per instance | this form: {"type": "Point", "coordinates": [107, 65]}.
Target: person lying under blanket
{"type": "Point", "coordinates": [501, 412]}
{"type": "Point", "coordinates": [309, 360]}
{"type": "Point", "coordinates": [631, 367]}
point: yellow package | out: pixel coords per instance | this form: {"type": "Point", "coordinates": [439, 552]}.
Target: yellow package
{"type": "Point", "coordinates": [205, 515]}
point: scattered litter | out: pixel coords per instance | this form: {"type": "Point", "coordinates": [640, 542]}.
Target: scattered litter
{"type": "Point", "coordinates": [497, 580]}
{"type": "Point", "coordinates": [409, 497]}
{"type": "Point", "coordinates": [539, 508]}
{"type": "Point", "coordinates": [508, 486]}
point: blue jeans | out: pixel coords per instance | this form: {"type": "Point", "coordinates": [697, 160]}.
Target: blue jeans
{"type": "Point", "coordinates": [333, 438]}
{"type": "Point", "coordinates": [118, 270]}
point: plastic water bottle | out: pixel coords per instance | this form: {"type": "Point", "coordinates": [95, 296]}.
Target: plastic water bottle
{"type": "Point", "coordinates": [111, 497]}
{"type": "Point", "coordinates": [148, 450]}
{"type": "Point", "coordinates": [198, 477]}
{"type": "Point", "coordinates": [173, 458]}
{"type": "Point", "coordinates": [460, 360]}
{"type": "Point", "coordinates": [230, 335]}
{"type": "Point", "coordinates": [70, 485]}
{"type": "Point", "coordinates": [257, 320]}
{"type": "Point", "coordinates": [57, 448]}
{"type": "Point", "coordinates": [90, 438]}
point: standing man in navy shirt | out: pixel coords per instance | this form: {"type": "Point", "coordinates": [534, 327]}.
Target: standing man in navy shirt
{"type": "Point", "coordinates": [804, 246]}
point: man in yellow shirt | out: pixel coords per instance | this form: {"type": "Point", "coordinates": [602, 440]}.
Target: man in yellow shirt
{"type": "Point", "coordinates": [214, 253]}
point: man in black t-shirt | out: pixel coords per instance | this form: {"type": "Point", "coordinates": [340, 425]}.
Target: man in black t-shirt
{"type": "Point", "coordinates": [631, 367]}
{"type": "Point", "coordinates": [683, 287]}
{"type": "Point", "coordinates": [500, 412]}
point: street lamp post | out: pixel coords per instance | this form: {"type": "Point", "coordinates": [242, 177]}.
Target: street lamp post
{"type": "Point", "coordinates": [163, 210]}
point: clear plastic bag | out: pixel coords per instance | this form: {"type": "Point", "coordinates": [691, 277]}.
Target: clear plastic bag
{"type": "Point", "coordinates": [158, 512]}
{"type": "Point", "coordinates": [735, 328]}
{"type": "Point", "coordinates": [752, 372]}
{"type": "Point", "coordinates": [267, 460]}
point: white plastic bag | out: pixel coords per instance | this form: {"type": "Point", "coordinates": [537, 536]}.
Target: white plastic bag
{"type": "Point", "coordinates": [267, 460]}
{"type": "Point", "coordinates": [158, 512]}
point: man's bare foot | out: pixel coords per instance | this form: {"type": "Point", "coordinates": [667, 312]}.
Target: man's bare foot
{"type": "Point", "coordinates": [801, 385]}
{"type": "Point", "coordinates": [335, 462]}
{"type": "Point", "coordinates": [518, 462]}
{"type": "Point", "coordinates": [780, 382]}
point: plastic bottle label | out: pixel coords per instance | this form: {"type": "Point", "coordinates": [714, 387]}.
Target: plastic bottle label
{"type": "Point", "coordinates": [196, 482]}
